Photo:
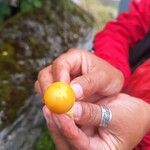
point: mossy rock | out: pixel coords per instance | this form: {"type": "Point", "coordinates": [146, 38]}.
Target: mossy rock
{"type": "Point", "coordinates": [31, 40]}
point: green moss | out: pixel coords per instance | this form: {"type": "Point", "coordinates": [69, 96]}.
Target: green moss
{"type": "Point", "coordinates": [32, 40]}
{"type": "Point", "coordinates": [28, 5]}
{"type": "Point", "coordinates": [102, 14]}
{"type": "Point", "coordinates": [4, 11]}
{"type": "Point", "coordinates": [26, 41]}
{"type": "Point", "coordinates": [45, 142]}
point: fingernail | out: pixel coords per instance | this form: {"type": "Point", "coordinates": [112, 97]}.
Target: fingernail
{"type": "Point", "coordinates": [78, 90]}
{"type": "Point", "coordinates": [77, 110]}
{"type": "Point", "coordinates": [46, 115]}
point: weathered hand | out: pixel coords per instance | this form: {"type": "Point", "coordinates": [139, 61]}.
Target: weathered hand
{"type": "Point", "coordinates": [130, 122]}
{"type": "Point", "coordinates": [90, 77]}
{"type": "Point", "coordinates": [87, 73]}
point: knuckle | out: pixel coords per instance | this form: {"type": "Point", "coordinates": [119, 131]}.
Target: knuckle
{"type": "Point", "coordinates": [56, 61]}
{"type": "Point", "coordinates": [92, 114]}
{"type": "Point", "coordinates": [59, 60]}
{"type": "Point", "coordinates": [75, 50]}
{"type": "Point", "coordinates": [88, 85]}
{"type": "Point", "coordinates": [40, 74]}
{"type": "Point", "coordinates": [52, 128]}
{"type": "Point", "coordinates": [123, 96]}
{"type": "Point", "coordinates": [36, 84]}
{"type": "Point", "coordinates": [70, 133]}
{"type": "Point", "coordinates": [88, 113]}
{"type": "Point", "coordinates": [72, 50]}
{"type": "Point", "coordinates": [43, 75]}
{"type": "Point", "coordinates": [88, 80]}
{"type": "Point", "coordinates": [57, 65]}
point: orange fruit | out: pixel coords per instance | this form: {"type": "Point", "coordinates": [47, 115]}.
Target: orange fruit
{"type": "Point", "coordinates": [59, 97]}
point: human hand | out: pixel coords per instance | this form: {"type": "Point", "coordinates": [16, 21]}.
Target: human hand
{"type": "Point", "coordinates": [130, 122]}
{"type": "Point", "coordinates": [87, 73]}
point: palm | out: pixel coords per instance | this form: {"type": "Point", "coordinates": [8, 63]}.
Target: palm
{"type": "Point", "coordinates": [120, 134]}
{"type": "Point", "coordinates": [96, 136]}
{"type": "Point", "coordinates": [100, 138]}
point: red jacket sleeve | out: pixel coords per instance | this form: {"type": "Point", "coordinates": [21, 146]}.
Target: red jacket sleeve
{"type": "Point", "coordinates": [114, 42]}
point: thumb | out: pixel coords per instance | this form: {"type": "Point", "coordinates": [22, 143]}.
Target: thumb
{"type": "Point", "coordinates": [87, 114]}
{"type": "Point", "coordinates": [89, 84]}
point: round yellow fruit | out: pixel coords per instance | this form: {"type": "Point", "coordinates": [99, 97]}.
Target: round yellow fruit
{"type": "Point", "coordinates": [59, 97]}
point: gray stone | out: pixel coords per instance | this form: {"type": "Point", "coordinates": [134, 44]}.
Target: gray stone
{"type": "Point", "coordinates": [25, 130]}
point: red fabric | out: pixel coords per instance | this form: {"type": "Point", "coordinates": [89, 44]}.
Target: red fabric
{"type": "Point", "coordinates": [139, 86]}
{"type": "Point", "coordinates": [114, 42]}
{"type": "Point", "coordinates": [118, 36]}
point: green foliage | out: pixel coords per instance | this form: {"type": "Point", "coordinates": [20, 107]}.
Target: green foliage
{"type": "Point", "coordinates": [44, 142]}
{"type": "Point", "coordinates": [25, 6]}
{"type": "Point", "coordinates": [102, 14]}
{"type": "Point", "coordinates": [4, 11]}
{"type": "Point", "coordinates": [28, 5]}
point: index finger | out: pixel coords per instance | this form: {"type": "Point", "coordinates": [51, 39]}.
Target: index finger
{"type": "Point", "coordinates": [45, 78]}
{"type": "Point", "coordinates": [67, 65]}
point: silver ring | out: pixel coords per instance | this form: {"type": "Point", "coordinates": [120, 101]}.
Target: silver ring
{"type": "Point", "coordinates": [106, 116]}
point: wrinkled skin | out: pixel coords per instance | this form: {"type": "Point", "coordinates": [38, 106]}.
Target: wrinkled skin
{"type": "Point", "coordinates": [81, 68]}
{"type": "Point", "coordinates": [123, 133]}
{"type": "Point", "coordinates": [93, 80]}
